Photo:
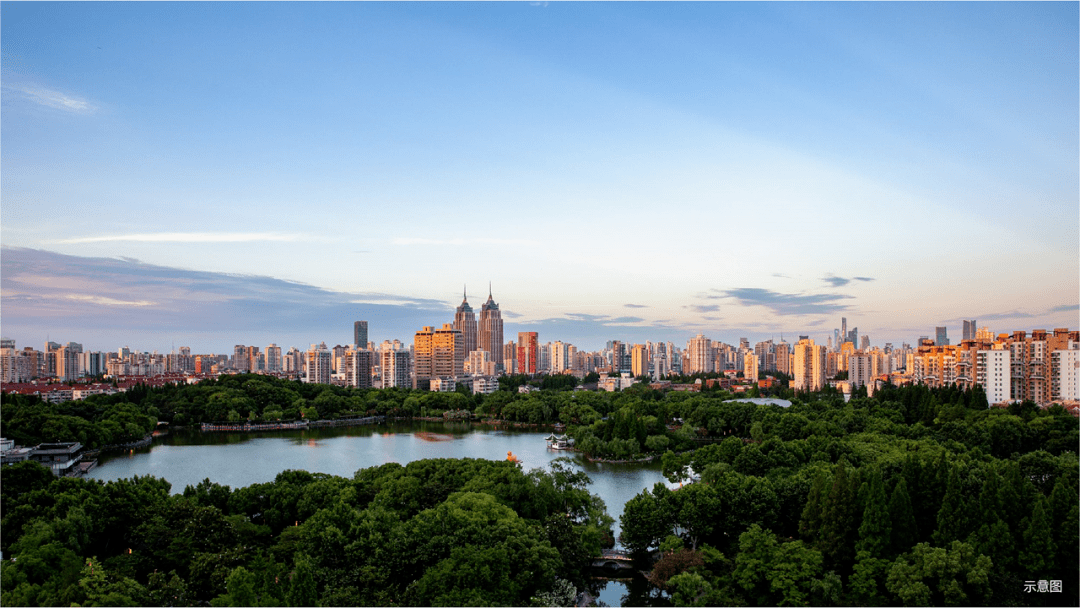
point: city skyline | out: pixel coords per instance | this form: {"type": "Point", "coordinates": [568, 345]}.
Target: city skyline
{"type": "Point", "coordinates": [620, 172]}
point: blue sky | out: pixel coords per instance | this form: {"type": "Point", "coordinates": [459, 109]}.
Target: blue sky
{"type": "Point", "coordinates": [617, 171]}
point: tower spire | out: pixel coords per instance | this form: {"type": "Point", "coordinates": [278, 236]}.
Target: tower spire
{"type": "Point", "coordinates": [489, 290]}
{"type": "Point", "coordinates": [464, 292]}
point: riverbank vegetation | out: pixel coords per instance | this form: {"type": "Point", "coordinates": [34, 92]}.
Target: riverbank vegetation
{"type": "Point", "coordinates": [433, 532]}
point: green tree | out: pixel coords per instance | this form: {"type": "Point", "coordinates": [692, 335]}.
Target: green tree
{"type": "Point", "coordinates": [952, 520]}
{"type": "Point", "coordinates": [1037, 557]}
{"type": "Point", "coordinates": [241, 588]}
{"type": "Point", "coordinates": [875, 532]}
{"type": "Point", "coordinates": [932, 576]}
{"type": "Point", "coordinates": [904, 530]}
{"type": "Point", "coordinates": [302, 589]}
{"type": "Point", "coordinates": [772, 573]}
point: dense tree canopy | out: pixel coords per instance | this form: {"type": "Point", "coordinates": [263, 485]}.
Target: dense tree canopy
{"type": "Point", "coordinates": [433, 532]}
{"type": "Point", "coordinates": [912, 497]}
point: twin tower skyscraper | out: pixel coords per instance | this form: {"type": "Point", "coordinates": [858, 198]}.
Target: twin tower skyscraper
{"type": "Point", "coordinates": [486, 335]}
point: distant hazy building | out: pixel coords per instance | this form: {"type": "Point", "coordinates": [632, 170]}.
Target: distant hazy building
{"type": "Point", "coordinates": [360, 337]}
{"type": "Point", "coordinates": [969, 330]}
{"type": "Point", "coordinates": [941, 336]}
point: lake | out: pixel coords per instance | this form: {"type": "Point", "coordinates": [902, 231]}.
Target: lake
{"type": "Point", "coordinates": [239, 459]}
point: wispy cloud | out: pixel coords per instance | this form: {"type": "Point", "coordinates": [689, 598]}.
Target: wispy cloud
{"type": "Point", "coordinates": [53, 99]}
{"type": "Point", "coordinates": [511, 314]}
{"type": "Point", "coordinates": [184, 237]}
{"type": "Point", "coordinates": [704, 307]}
{"type": "Point", "coordinates": [788, 303]}
{"type": "Point", "coordinates": [43, 291]}
{"type": "Point", "coordinates": [1010, 314]}
{"type": "Point", "coordinates": [634, 306]}
{"type": "Point", "coordinates": [836, 281]}
{"type": "Point", "coordinates": [1065, 308]}
{"type": "Point", "coordinates": [464, 242]}
{"type": "Point", "coordinates": [107, 301]}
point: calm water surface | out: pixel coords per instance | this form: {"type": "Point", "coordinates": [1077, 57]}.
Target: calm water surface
{"type": "Point", "coordinates": [239, 459]}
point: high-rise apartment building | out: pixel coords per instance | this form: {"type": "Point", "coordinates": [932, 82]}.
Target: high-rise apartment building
{"type": "Point", "coordinates": [783, 357]}
{"type": "Point", "coordinates": [808, 366]}
{"type": "Point", "coordinates": [358, 367]}
{"type": "Point", "coordinates": [423, 357]}
{"type": "Point", "coordinates": [766, 354]}
{"type": "Point", "coordinates": [448, 354]}
{"type": "Point", "coordinates": [528, 352]}
{"type": "Point", "coordinates": [394, 365]}
{"type": "Point", "coordinates": [560, 357]}
{"type": "Point", "coordinates": [1065, 373]}
{"type": "Point", "coordinates": [861, 370]}
{"type": "Point", "coordinates": [699, 356]}
{"type": "Point", "coordinates": [490, 330]}
{"type": "Point", "coordinates": [360, 338]}
{"type": "Point", "coordinates": [750, 367]}
{"type": "Point", "coordinates": [317, 364]}
{"type": "Point", "coordinates": [479, 363]}
{"type": "Point", "coordinates": [273, 358]}
{"type": "Point", "coordinates": [67, 361]}
{"type": "Point", "coordinates": [992, 372]}
{"type": "Point", "coordinates": [639, 360]}
{"type": "Point", "coordinates": [465, 322]}
{"type": "Point", "coordinates": [437, 353]}
{"type": "Point", "coordinates": [510, 358]}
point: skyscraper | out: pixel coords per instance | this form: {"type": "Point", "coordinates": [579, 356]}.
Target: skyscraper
{"type": "Point", "coordinates": [528, 352]}
{"type": "Point", "coordinates": [465, 322]}
{"type": "Point", "coordinates": [360, 334]}
{"type": "Point", "coordinates": [941, 336]}
{"type": "Point", "coordinates": [490, 331]}
{"type": "Point", "coordinates": [970, 330]}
